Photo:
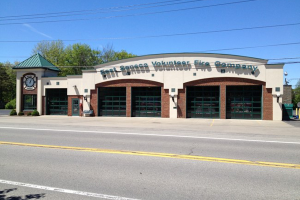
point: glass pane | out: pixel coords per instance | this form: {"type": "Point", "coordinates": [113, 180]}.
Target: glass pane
{"type": "Point", "coordinates": [112, 101]}
{"type": "Point", "coordinates": [242, 101]}
{"type": "Point", "coordinates": [203, 101]}
{"type": "Point", "coordinates": [146, 101]}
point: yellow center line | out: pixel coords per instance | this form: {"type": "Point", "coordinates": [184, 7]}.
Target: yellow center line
{"type": "Point", "coordinates": [165, 155]}
{"type": "Point", "coordinates": [212, 122]}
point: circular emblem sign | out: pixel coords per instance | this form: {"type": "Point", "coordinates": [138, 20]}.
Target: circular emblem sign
{"type": "Point", "coordinates": [29, 82]}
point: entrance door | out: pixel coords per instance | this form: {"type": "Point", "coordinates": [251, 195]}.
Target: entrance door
{"type": "Point", "coordinates": [203, 102]}
{"type": "Point", "coordinates": [75, 107]}
{"type": "Point", "coordinates": [243, 102]}
{"type": "Point", "coordinates": [146, 101]}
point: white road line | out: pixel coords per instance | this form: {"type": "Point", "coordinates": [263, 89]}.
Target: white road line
{"type": "Point", "coordinates": [103, 196]}
{"type": "Point", "coordinates": [156, 135]}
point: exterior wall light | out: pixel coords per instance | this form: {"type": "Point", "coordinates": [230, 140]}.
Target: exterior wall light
{"type": "Point", "coordinates": [84, 97]}
{"type": "Point", "coordinates": [278, 96]}
{"type": "Point", "coordinates": [172, 96]}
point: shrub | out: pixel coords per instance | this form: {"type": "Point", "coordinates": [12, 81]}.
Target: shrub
{"type": "Point", "coordinates": [35, 113]}
{"type": "Point", "coordinates": [29, 114]}
{"type": "Point", "coordinates": [20, 113]}
{"type": "Point", "coordinates": [11, 104]}
{"type": "Point", "coordinates": [13, 112]}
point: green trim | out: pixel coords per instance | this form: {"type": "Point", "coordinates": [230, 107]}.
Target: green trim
{"type": "Point", "coordinates": [146, 102]}
{"type": "Point", "coordinates": [244, 102]}
{"type": "Point", "coordinates": [203, 102]}
{"type": "Point", "coordinates": [36, 61]}
{"type": "Point", "coordinates": [56, 101]}
{"type": "Point", "coordinates": [112, 101]}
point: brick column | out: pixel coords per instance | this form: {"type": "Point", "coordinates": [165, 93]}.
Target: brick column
{"type": "Point", "coordinates": [267, 103]}
{"type": "Point", "coordinates": [223, 101]}
{"type": "Point", "coordinates": [181, 103]}
{"type": "Point", "coordinates": [94, 101]}
{"type": "Point", "coordinates": [165, 103]}
{"type": "Point", "coordinates": [128, 101]}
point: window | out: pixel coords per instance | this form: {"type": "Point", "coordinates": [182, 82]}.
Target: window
{"type": "Point", "coordinates": [29, 101]}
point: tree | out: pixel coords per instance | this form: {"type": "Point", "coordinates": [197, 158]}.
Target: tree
{"type": "Point", "coordinates": [123, 55]}
{"type": "Point", "coordinates": [7, 83]}
{"type": "Point", "coordinates": [296, 95]}
{"type": "Point", "coordinates": [53, 51]}
{"type": "Point", "coordinates": [77, 55]}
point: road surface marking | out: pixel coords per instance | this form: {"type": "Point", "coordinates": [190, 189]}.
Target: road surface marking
{"type": "Point", "coordinates": [103, 196]}
{"type": "Point", "coordinates": [212, 122]}
{"type": "Point", "coordinates": [166, 155]}
{"type": "Point", "coordinates": [154, 135]}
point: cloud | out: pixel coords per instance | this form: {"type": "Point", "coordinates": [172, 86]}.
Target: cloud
{"type": "Point", "coordinates": [36, 31]}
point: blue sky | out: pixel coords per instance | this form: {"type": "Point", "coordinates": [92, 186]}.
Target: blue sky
{"type": "Point", "coordinates": [237, 15]}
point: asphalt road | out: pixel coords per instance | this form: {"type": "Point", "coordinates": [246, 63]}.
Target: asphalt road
{"type": "Point", "coordinates": [114, 158]}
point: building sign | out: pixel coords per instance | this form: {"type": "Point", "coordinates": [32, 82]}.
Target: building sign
{"type": "Point", "coordinates": [236, 66]}
{"type": "Point", "coordinates": [174, 63]}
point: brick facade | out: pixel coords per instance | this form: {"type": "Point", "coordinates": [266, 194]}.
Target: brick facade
{"type": "Point", "coordinates": [24, 91]}
{"type": "Point", "coordinates": [287, 94]}
{"type": "Point", "coordinates": [70, 97]}
{"type": "Point", "coordinates": [129, 83]}
{"type": "Point", "coordinates": [223, 82]}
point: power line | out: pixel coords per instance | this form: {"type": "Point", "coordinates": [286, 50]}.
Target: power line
{"type": "Point", "coordinates": [99, 11]}
{"type": "Point", "coordinates": [285, 58]}
{"type": "Point", "coordinates": [252, 47]}
{"type": "Point", "coordinates": [157, 36]}
{"type": "Point", "coordinates": [134, 5]}
{"type": "Point", "coordinates": [132, 15]}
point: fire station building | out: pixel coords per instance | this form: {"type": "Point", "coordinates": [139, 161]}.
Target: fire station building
{"type": "Point", "coordinates": [181, 85]}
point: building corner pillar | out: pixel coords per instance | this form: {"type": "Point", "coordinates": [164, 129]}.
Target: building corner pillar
{"type": "Point", "coordinates": [39, 95]}
{"type": "Point", "coordinates": [18, 94]}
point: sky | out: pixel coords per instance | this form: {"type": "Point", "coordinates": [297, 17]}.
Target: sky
{"type": "Point", "coordinates": [177, 25]}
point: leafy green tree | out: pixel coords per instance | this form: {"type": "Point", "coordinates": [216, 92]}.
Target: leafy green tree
{"type": "Point", "coordinates": [296, 95]}
{"type": "Point", "coordinates": [123, 55]}
{"type": "Point", "coordinates": [7, 83]}
{"type": "Point", "coordinates": [77, 55]}
{"type": "Point", "coordinates": [53, 51]}
{"type": "Point", "coordinates": [108, 54]}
